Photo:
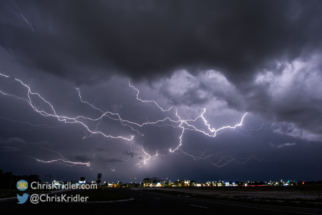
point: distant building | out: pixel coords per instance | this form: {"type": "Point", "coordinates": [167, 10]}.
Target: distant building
{"type": "Point", "coordinates": [82, 180]}
{"type": "Point", "coordinates": [199, 184]}
{"type": "Point", "coordinates": [182, 183]}
{"type": "Point", "coordinates": [153, 182]}
{"type": "Point", "coordinates": [112, 185]}
{"type": "Point", "coordinates": [169, 184]}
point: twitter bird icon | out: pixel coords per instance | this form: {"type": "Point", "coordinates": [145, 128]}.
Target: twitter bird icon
{"type": "Point", "coordinates": [22, 199]}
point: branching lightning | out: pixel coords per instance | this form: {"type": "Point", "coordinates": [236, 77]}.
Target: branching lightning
{"type": "Point", "coordinates": [55, 115]}
{"type": "Point", "coordinates": [149, 157]}
{"type": "Point", "coordinates": [223, 159]}
{"type": "Point", "coordinates": [105, 113]}
{"type": "Point", "coordinates": [179, 123]}
{"type": "Point", "coordinates": [191, 127]}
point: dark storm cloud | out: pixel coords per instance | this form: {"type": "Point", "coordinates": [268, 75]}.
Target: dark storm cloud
{"type": "Point", "coordinates": [87, 42]}
{"type": "Point", "coordinates": [16, 144]}
{"type": "Point", "coordinates": [130, 154]}
{"type": "Point", "coordinates": [112, 160]}
{"type": "Point", "coordinates": [12, 144]}
{"type": "Point", "coordinates": [291, 97]}
{"type": "Point", "coordinates": [145, 39]}
{"type": "Point", "coordinates": [82, 158]}
{"type": "Point", "coordinates": [104, 159]}
{"type": "Point", "coordinates": [100, 149]}
{"type": "Point", "coordinates": [229, 57]}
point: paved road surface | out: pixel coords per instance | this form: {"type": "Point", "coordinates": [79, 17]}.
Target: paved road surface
{"type": "Point", "coordinates": [152, 203]}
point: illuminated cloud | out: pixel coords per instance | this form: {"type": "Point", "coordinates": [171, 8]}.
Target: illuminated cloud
{"type": "Point", "coordinates": [281, 145]}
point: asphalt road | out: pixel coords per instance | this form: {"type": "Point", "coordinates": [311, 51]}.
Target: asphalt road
{"type": "Point", "coordinates": [153, 203]}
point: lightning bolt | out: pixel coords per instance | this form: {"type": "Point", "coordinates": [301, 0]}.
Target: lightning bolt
{"type": "Point", "coordinates": [183, 124]}
{"type": "Point", "coordinates": [147, 101]}
{"type": "Point", "coordinates": [62, 160]}
{"type": "Point", "coordinates": [105, 113]}
{"type": "Point", "coordinates": [224, 159]}
{"type": "Point", "coordinates": [65, 161]}
{"type": "Point", "coordinates": [30, 124]}
{"type": "Point", "coordinates": [146, 159]}
{"type": "Point", "coordinates": [191, 127]}
{"type": "Point", "coordinates": [227, 159]}
{"type": "Point", "coordinates": [19, 15]}
{"type": "Point", "coordinates": [55, 115]}
{"type": "Point", "coordinates": [255, 129]}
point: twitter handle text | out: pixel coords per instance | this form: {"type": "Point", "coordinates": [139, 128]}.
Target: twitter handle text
{"type": "Point", "coordinates": [36, 198]}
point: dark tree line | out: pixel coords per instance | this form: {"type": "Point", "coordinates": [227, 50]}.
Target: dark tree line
{"type": "Point", "coordinates": [9, 181]}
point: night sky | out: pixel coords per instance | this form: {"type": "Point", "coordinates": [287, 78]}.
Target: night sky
{"type": "Point", "coordinates": [135, 89]}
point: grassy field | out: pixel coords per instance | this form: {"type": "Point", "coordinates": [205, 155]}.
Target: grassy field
{"type": "Point", "coordinates": [104, 195]}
